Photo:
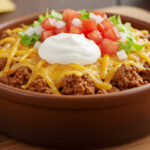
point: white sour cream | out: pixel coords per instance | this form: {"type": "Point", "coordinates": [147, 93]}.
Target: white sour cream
{"type": "Point", "coordinates": [66, 48]}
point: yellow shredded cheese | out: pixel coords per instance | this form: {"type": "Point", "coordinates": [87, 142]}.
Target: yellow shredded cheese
{"type": "Point", "coordinates": [101, 72]}
{"type": "Point", "coordinates": [105, 63]}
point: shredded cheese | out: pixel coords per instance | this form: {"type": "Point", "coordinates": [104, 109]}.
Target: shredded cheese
{"type": "Point", "coordinates": [105, 63]}
{"type": "Point", "coordinates": [100, 72]}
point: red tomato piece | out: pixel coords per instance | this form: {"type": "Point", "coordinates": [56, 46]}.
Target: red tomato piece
{"type": "Point", "coordinates": [109, 47]}
{"type": "Point", "coordinates": [74, 29]}
{"type": "Point", "coordinates": [49, 24]}
{"type": "Point", "coordinates": [69, 24]}
{"type": "Point", "coordinates": [61, 30]}
{"type": "Point", "coordinates": [95, 36]}
{"type": "Point", "coordinates": [100, 27]}
{"type": "Point", "coordinates": [102, 14]}
{"type": "Point", "coordinates": [69, 14]}
{"type": "Point", "coordinates": [89, 25]}
{"type": "Point", "coordinates": [107, 24]}
{"type": "Point", "coordinates": [112, 34]}
{"type": "Point", "coordinates": [46, 34]}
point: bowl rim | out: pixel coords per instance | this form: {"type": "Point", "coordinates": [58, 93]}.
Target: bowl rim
{"type": "Point", "coordinates": [35, 99]}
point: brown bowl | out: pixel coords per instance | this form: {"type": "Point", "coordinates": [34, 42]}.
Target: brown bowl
{"type": "Point", "coordinates": [74, 121]}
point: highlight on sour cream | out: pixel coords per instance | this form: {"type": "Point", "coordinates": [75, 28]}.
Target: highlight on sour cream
{"type": "Point", "coordinates": [66, 48]}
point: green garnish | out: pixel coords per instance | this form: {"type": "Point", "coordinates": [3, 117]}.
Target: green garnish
{"type": "Point", "coordinates": [43, 17]}
{"type": "Point", "coordinates": [35, 24]}
{"type": "Point", "coordinates": [53, 14]}
{"type": "Point", "coordinates": [29, 40]}
{"type": "Point", "coordinates": [130, 44]}
{"type": "Point", "coordinates": [84, 14]}
{"type": "Point", "coordinates": [56, 15]}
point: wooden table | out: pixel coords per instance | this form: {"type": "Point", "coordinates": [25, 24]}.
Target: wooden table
{"type": "Point", "coordinates": [141, 144]}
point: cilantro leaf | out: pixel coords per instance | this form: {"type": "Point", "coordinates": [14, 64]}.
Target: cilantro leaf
{"type": "Point", "coordinates": [84, 14]}
{"type": "Point", "coordinates": [29, 40]}
{"type": "Point", "coordinates": [41, 18]}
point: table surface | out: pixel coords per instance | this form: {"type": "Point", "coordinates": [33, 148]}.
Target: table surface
{"type": "Point", "coordinates": [141, 144]}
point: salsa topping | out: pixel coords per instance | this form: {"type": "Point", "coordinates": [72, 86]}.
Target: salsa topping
{"type": "Point", "coordinates": [110, 34]}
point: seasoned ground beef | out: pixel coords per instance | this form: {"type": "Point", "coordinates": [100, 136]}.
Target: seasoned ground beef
{"type": "Point", "coordinates": [145, 74]}
{"type": "Point", "coordinates": [146, 65]}
{"type": "Point", "coordinates": [3, 62]}
{"type": "Point", "coordinates": [101, 91]}
{"type": "Point", "coordinates": [5, 34]}
{"type": "Point", "coordinates": [75, 85]}
{"type": "Point", "coordinates": [5, 79]}
{"type": "Point", "coordinates": [113, 89]}
{"type": "Point", "coordinates": [127, 77]}
{"type": "Point", "coordinates": [20, 77]}
{"type": "Point", "coordinates": [40, 85]}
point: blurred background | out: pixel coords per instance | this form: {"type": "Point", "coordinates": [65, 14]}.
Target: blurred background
{"type": "Point", "coordinates": [24, 7]}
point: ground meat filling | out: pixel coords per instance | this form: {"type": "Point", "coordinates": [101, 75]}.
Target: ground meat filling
{"type": "Point", "coordinates": [20, 77]}
{"type": "Point", "coordinates": [113, 90]}
{"type": "Point", "coordinates": [146, 65]}
{"type": "Point", "coordinates": [5, 34]}
{"type": "Point", "coordinates": [75, 85]}
{"type": "Point", "coordinates": [127, 77]}
{"type": "Point", "coordinates": [145, 74]}
{"type": "Point", "coordinates": [101, 91]}
{"type": "Point", "coordinates": [40, 85]}
{"type": "Point", "coordinates": [5, 79]}
{"type": "Point", "coordinates": [17, 79]}
{"type": "Point", "coordinates": [3, 62]}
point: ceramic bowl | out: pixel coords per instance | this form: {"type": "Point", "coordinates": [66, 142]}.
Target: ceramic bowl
{"type": "Point", "coordinates": [74, 121]}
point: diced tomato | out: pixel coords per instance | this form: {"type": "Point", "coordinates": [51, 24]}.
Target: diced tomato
{"type": "Point", "coordinates": [100, 27]}
{"type": "Point", "coordinates": [107, 24]}
{"type": "Point", "coordinates": [109, 47]}
{"type": "Point", "coordinates": [89, 25]}
{"type": "Point", "coordinates": [102, 14]}
{"type": "Point", "coordinates": [61, 30]}
{"type": "Point", "coordinates": [95, 36]}
{"type": "Point", "coordinates": [49, 24]}
{"type": "Point", "coordinates": [69, 14]}
{"type": "Point", "coordinates": [69, 23]}
{"type": "Point", "coordinates": [46, 34]}
{"type": "Point", "coordinates": [74, 29]}
{"type": "Point", "coordinates": [112, 34]}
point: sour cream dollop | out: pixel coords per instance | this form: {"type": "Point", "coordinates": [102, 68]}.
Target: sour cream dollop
{"type": "Point", "coordinates": [66, 48]}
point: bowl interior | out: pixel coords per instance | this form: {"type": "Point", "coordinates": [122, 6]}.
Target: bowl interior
{"type": "Point", "coordinates": [76, 102]}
